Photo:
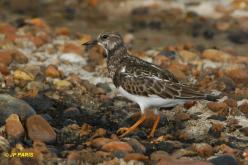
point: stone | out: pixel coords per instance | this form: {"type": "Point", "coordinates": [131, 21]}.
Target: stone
{"type": "Point", "coordinates": [4, 69]}
{"type": "Point", "coordinates": [39, 129]}
{"type": "Point", "coordinates": [177, 73]}
{"type": "Point", "coordinates": [23, 75]}
{"type": "Point", "coordinates": [217, 106]}
{"type": "Point", "coordinates": [62, 31]}
{"type": "Point", "coordinates": [203, 149]}
{"type": "Point", "coordinates": [244, 131]}
{"type": "Point", "coordinates": [238, 75]}
{"type": "Point", "coordinates": [52, 71]}
{"type": "Point", "coordinates": [19, 56]}
{"type": "Point", "coordinates": [135, 156]}
{"type": "Point", "coordinates": [62, 84]}
{"type": "Point", "coordinates": [14, 128]}
{"type": "Point", "coordinates": [187, 56]}
{"type": "Point", "coordinates": [182, 116]}
{"type": "Point", "coordinates": [72, 48]}
{"type": "Point", "coordinates": [71, 112]}
{"type": "Point", "coordinates": [11, 105]}
{"type": "Point", "coordinates": [223, 159]}
{"type": "Point", "coordinates": [244, 108]}
{"type": "Point", "coordinates": [85, 130]}
{"type": "Point", "coordinates": [4, 144]}
{"type": "Point", "coordinates": [216, 55]}
{"type": "Point", "coordinates": [100, 132]}
{"type": "Point", "coordinates": [6, 57]}
{"type": "Point", "coordinates": [99, 142]}
{"type": "Point", "coordinates": [136, 145]}
{"type": "Point", "coordinates": [117, 145]}
{"type": "Point", "coordinates": [231, 103]}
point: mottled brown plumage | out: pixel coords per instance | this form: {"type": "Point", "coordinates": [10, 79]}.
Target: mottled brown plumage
{"type": "Point", "coordinates": [144, 83]}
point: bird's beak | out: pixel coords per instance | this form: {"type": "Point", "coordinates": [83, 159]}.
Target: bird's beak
{"type": "Point", "coordinates": [90, 44]}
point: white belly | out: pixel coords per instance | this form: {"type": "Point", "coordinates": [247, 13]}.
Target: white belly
{"type": "Point", "coordinates": [150, 101]}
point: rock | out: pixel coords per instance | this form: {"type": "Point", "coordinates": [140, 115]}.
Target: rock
{"type": "Point", "coordinates": [216, 55]}
{"type": "Point", "coordinates": [85, 130]}
{"type": "Point", "coordinates": [238, 37]}
{"type": "Point", "coordinates": [177, 73]}
{"type": "Point", "coordinates": [52, 71]}
{"type": "Point", "coordinates": [209, 33]}
{"type": "Point", "coordinates": [73, 157]}
{"type": "Point", "coordinates": [203, 149]}
{"type": "Point", "coordinates": [14, 128]}
{"type": "Point", "coordinates": [182, 116]}
{"type": "Point", "coordinates": [4, 69]}
{"type": "Point", "coordinates": [187, 56]}
{"type": "Point", "coordinates": [62, 31]}
{"type": "Point", "coordinates": [135, 156]}
{"type": "Point", "coordinates": [224, 159]}
{"type": "Point", "coordinates": [6, 57]}
{"type": "Point", "coordinates": [116, 145]}
{"type": "Point", "coordinates": [136, 145]}
{"type": "Point", "coordinates": [166, 146]}
{"type": "Point", "coordinates": [168, 54]}
{"type": "Point", "coordinates": [216, 129]}
{"type": "Point", "coordinates": [238, 75]}
{"type": "Point", "coordinates": [227, 150]}
{"type": "Point", "coordinates": [162, 158]}
{"type": "Point", "coordinates": [231, 103]}
{"type": "Point", "coordinates": [71, 112]}
{"type": "Point", "coordinates": [217, 106]}
{"type": "Point", "coordinates": [39, 129]}
{"type": "Point", "coordinates": [244, 131]}
{"type": "Point", "coordinates": [244, 108]}
{"type": "Point", "coordinates": [62, 84]}
{"type": "Point", "coordinates": [11, 105]}
{"type": "Point", "coordinates": [19, 57]}
{"type": "Point", "coordinates": [128, 38]}
{"type": "Point", "coordinates": [99, 142]}
{"type": "Point", "coordinates": [72, 58]}
{"type": "Point", "coordinates": [72, 48]}
{"type": "Point", "coordinates": [99, 132]}
{"type": "Point", "coordinates": [23, 75]}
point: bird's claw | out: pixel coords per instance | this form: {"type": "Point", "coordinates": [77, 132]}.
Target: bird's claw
{"type": "Point", "coordinates": [122, 131]}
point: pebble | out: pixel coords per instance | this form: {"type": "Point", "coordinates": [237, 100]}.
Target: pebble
{"type": "Point", "coordinates": [136, 145]}
{"type": "Point", "coordinates": [216, 55]}
{"type": "Point", "coordinates": [99, 142]}
{"type": "Point", "coordinates": [52, 71]}
{"type": "Point", "coordinates": [23, 75]}
{"type": "Point", "coordinates": [187, 56]}
{"type": "Point", "coordinates": [62, 84]}
{"type": "Point", "coordinates": [72, 48]}
{"type": "Point", "coordinates": [100, 132]}
{"type": "Point", "coordinates": [4, 69]}
{"type": "Point", "coordinates": [182, 116]}
{"type": "Point", "coordinates": [223, 159]}
{"type": "Point", "coordinates": [231, 103]}
{"type": "Point", "coordinates": [39, 129]}
{"type": "Point", "coordinates": [135, 156]}
{"type": "Point", "coordinates": [244, 131]}
{"type": "Point", "coordinates": [217, 106]}
{"type": "Point", "coordinates": [71, 112]}
{"type": "Point", "coordinates": [6, 57]}
{"type": "Point", "coordinates": [244, 108]}
{"type": "Point", "coordinates": [238, 75]}
{"type": "Point", "coordinates": [203, 149]}
{"type": "Point", "coordinates": [14, 128]}
{"type": "Point", "coordinates": [72, 58]}
{"type": "Point", "coordinates": [4, 144]}
{"type": "Point", "coordinates": [19, 56]}
{"type": "Point", "coordinates": [117, 145]}
{"type": "Point", "coordinates": [11, 105]}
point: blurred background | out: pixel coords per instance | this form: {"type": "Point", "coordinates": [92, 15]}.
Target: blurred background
{"type": "Point", "coordinates": [220, 24]}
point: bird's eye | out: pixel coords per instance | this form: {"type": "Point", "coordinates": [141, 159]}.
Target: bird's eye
{"type": "Point", "coordinates": [104, 36]}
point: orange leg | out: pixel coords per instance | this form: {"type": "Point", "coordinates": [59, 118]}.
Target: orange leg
{"type": "Point", "coordinates": [154, 127]}
{"type": "Point", "coordinates": [133, 127]}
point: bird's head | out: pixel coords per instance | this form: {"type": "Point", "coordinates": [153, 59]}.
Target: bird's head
{"type": "Point", "coordinates": [110, 41]}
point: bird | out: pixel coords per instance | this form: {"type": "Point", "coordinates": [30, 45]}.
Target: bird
{"type": "Point", "coordinates": [144, 83]}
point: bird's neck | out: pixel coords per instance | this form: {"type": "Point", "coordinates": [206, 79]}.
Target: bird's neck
{"type": "Point", "coordinates": [114, 58]}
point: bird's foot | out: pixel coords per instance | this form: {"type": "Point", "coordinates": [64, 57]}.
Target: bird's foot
{"type": "Point", "coordinates": [123, 131]}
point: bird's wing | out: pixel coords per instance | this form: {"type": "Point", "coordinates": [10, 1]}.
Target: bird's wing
{"type": "Point", "coordinates": [145, 80]}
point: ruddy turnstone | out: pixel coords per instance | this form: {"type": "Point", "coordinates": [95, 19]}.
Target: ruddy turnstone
{"type": "Point", "coordinates": [142, 82]}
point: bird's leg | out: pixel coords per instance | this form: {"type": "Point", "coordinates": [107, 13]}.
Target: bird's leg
{"type": "Point", "coordinates": [154, 127]}
{"type": "Point", "coordinates": [133, 127]}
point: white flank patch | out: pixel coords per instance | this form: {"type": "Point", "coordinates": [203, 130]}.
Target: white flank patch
{"type": "Point", "coordinates": [151, 101]}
